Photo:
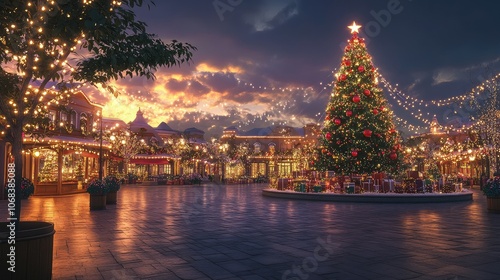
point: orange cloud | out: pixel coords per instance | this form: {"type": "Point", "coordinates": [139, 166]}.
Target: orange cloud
{"type": "Point", "coordinates": [204, 67]}
{"type": "Point", "coordinates": [206, 97]}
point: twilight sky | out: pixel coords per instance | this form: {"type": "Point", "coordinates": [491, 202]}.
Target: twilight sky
{"type": "Point", "coordinates": [262, 63]}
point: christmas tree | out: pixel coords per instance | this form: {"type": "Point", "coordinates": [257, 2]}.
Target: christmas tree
{"type": "Point", "coordinates": [48, 171]}
{"type": "Point", "coordinates": [358, 134]}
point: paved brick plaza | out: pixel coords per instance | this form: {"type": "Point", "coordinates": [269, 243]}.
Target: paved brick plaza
{"type": "Point", "coordinates": [233, 232]}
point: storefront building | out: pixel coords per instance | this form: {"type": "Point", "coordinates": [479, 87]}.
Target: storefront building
{"type": "Point", "coordinates": [68, 156]}
{"type": "Point", "coordinates": [279, 150]}
{"type": "Point", "coordinates": [456, 153]}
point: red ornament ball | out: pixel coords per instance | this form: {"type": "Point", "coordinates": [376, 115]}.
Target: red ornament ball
{"type": "Point", "coordinates": [361, 69]}
{"type": "Point", "coordinates": [375, 111]}
{"type": "Point", "coordinates": [356, 99]}
{"type": "Point", "coordinates": [354, 153]}
{"type": "Point", "coordinates": [328, 136]}
{"type": "Point", "coordinates": [367, 133]}
{"type": "Point", "coordinates": [347, 63]}
{"type": "Point", "coordinates": [342, 77]}
{"type": "Point", "coordinates": [348, 113]}
{"type": "Point", "coordinates": [337, 121]}
{"type": "Point", "coordinates": [367, 92]}
{"type": "Point", "coordinates": [393, 156]}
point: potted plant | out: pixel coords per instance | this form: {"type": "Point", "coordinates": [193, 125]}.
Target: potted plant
{"type": "Point", "coordinates": [492, 192]}
{"type": "Point", "coordinates": [97, 190]}
{"type": "Point", "coordinates": [113, 185]}
{"type": "Point", "coordinates": [162, 179]}
{"type": "Point", "coordinates": [132, 178]}
{"type": "Point", "coordinates": [27, 188]}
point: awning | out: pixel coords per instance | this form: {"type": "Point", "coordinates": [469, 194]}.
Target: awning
{"type": "Point", "coordinates": [150, 161]}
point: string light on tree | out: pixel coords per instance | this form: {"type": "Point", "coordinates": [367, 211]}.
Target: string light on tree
{"type": "Point", "coordinates": [358, 134]}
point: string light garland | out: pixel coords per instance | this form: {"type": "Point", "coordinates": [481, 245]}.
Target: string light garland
{"type": "Point", "coordinates": [56, 54]}
{"type": "Point", "coordinates": [271, 115]}
{"type": "Point", "coordinates": [418, 108]}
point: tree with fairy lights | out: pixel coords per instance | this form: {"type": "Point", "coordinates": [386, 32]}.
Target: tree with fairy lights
{"type": "Point", "coordinates": [48, 47]}
{"type": "Point", "coordinates": [358, 134]}
{"type": "Point", "coordinates": [125, 144]}
{"type": "Point", "coordinates": [486, 113]}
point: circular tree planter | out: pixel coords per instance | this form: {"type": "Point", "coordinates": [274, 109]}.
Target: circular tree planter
{"type": "Point", "coordinates": [493, 204]}
{"type": "Point", "coordinates": [97, 202]}
{"type": "Point", "coordinates": [111, 198]}
{"type": "Point", "coordinates": [32, 254]}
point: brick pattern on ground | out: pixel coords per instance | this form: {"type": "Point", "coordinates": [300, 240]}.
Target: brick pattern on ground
{"type": "Point", "coordinates": [233, 232]}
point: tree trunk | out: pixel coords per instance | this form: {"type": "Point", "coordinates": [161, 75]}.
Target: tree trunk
{"type": "Point", "coordinates": [17, 147]}
{"type": "Point", "coordinates": [125, 167]}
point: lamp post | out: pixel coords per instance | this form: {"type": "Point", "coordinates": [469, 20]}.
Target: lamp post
{"type": "Point", "coordinates": [100, 148]}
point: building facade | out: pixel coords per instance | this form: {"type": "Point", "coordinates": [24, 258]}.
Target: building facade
{"type": "Point", "coordinates": [273, 151]}
{"type": "Point", "coordinates": [456, 154]}
{"type": "Point", "coordinates": [67, 156]}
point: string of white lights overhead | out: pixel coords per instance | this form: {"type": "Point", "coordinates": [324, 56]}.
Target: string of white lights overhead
{"type": "Point", "coordinates": [417, 108]}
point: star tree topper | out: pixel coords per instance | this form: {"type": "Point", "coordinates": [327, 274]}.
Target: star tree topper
{"type": "Point", "coordinates": [354, 28]}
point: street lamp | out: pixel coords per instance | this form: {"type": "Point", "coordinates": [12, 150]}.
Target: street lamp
{"type": "Point", "coordinates": [100, 148]}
